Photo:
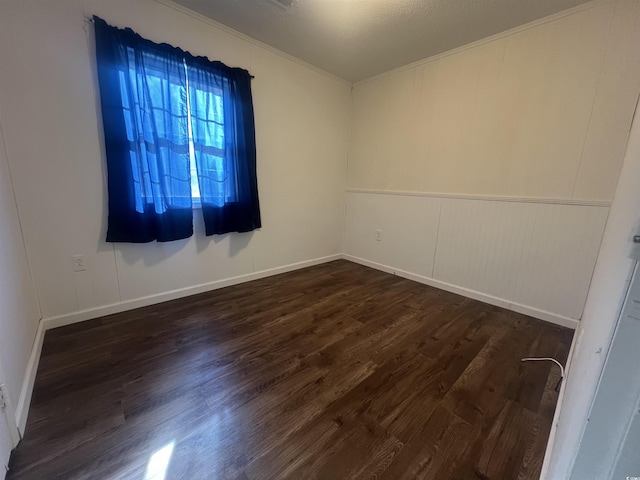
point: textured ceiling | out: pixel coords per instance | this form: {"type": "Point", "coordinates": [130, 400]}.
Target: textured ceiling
{"type": "Point", "coordinates": [357, 39]}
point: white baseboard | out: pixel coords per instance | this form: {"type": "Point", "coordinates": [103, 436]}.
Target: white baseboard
{"type": "Point", "coordinates": [559, 404]}
{"type": "Point", "coordinates": [22, 409]}
{"type": "Point", "coordinates": [45, 324]}
{"type": "Point", "coordinates": [75, 317]}
{"type": "Point", "coordinates": [483, 297]}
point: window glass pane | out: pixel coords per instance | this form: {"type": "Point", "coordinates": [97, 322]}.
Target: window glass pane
{"type": "Point", "coordinates": [209, 144]}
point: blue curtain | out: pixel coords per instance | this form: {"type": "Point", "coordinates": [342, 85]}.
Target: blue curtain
{"type": "Point", "coordinates": [144, 111]}
{"type": "Point", "coordinates": [224, 145]}
{"type": "Point", "coordinates": [146, 91]}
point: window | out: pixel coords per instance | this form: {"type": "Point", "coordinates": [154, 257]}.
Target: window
{"type": "Point", "coordinates": [178, 130]}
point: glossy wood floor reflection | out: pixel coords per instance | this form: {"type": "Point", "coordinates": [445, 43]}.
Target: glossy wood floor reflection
{"type": "Point", "coordinates": [331, 372]}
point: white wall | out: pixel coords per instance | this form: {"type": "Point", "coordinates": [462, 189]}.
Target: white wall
{"type": "Point", "coordinates": [520, 139]}
{"type": "Point", "coordinates": [18, 306]}
{"type": "Point", "coordinates": [48, 107]}
{"type": "Point", "coordinates": [528, 114]}
{"type": "Point", "coordinates": [531, 257]}
{"type": "Point", "coordinates": [610, 282]}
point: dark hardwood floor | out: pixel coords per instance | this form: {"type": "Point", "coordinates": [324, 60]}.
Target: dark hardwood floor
{"type": "Point", "coordinates": [332, 372]}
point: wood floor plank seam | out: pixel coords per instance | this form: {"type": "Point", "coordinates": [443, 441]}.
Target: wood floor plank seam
{"type": "Point", "coordinates": [335, 371]}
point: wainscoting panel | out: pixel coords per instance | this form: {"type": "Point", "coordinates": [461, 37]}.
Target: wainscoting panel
{"type": "Point", "coordinates": [408, 225]}
{"type": "Point", "coordinates": [529, 254]}
{"type": "Point", "coordinates": [541, 255]}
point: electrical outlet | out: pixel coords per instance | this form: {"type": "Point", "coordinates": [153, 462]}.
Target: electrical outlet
{"type": "Point", "coordinates": [379, 235]}
{"type": "Point", "coordinates": [79, 263]}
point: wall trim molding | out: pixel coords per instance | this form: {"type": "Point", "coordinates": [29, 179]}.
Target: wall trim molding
{"type": "Point", "coordinates": [483, 297]}
{"type": "Point", "coordinates": [559, 404]}
{"type": "Point", "coordinates": [88, 314]}
{"type": "Point", "coordinates": [242, 36]}
{"type": "Point", "coordinates": [49, 323]}
{"type": "Point", "coordinates": [489, 198]}
{"type": "Point", "coordinates": [24, 401]}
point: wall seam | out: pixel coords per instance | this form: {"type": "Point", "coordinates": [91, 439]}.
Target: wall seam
{"type": "Point", "coordinates": [115, 263]}
{"type": "Point", "coordinates": [346, 172]}
{"type": "Point", "coordinates": [22, 235]}
{"type": "Point", "coordinates": [435, 248]}
{"type": "Point", "coordinates": [593, 104]}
